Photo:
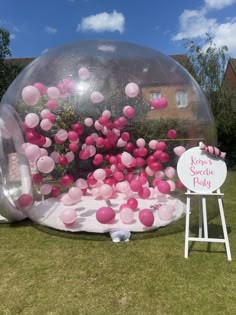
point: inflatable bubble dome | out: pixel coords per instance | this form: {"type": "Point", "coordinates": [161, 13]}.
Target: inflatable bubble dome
{"type": "Point", "coordinates": [90, 136]}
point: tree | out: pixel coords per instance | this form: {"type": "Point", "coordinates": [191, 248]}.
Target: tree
{"type": "Point", "coordinates": [8, 71]}
{"type": "Point", "coordinates": [209, 64]}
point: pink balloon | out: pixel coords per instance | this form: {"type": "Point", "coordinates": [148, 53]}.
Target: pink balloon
{"type": "Point", "coordinates": [129, 111]}
{"type": "Point", "coordinates": [131, 90]}
{"type": "Point", "coordinates": [84, 154]}
{"type": "Point", "coordinates": [55, 156]}
{"type": "Point", "coordinates": [144, 193]}
{"type": "Point", "coordinates": [32, 120]}
{"type": "Point", "coordinates": [70, 156]}
{"type": "Point", "coordinates": [99, 174]}
{"type": "Point", "coordinates": [68, 216]}
{"type": "Point", "coordinates": [75, 193]}
{"type": "Point", "coordinates": [165, 212]}
{"type": "Point", "coordinates": [160, 103]}
{"type": "Point", "coordinates": [126, 158]}
{"type": "Point", "coordinates": [96, 97]}
{"type": "Point", "coordinates": [53, 92]}
{"type": "Point", "coordinates": [83, 73]}
{"type": "Point", "coordinates": [41, 88]}
{"type": "Point", "coordinates": [44, 112]}
{"type": "Point", "coordinates": [32, 152]}
{"type": "Point", "coordinates": [132, 203]}
{"type": "Point", "coordinates": [146, 217]}
{"type": "Point", "coordinates": [170, 172]}
{"type": "Point", "coordinates": [106, 191]}
{"type": "Point", "coordinates": [45, 164]}
{"type": "Point", "coordinates": [25, 200]}
{"type": "Point", "coordinates": [105, 215]}
{"type": "Point", "coordinates": [135, 185]}
{"type": "Point", "coordinates": [30, 95]}
{"type": "Point", "coordinates": [81, 183]}
{"type": "Point", "coordinates": [46, 124]}
{"type": "Point", "coordinates": [179, 150]}
{"type": "Point", "coordinates": [163, 187]}
{"type": "Point", "coordinates": [45, 189]}
{"type": "Point", "coordinates": [126, 215]}
{"type": "Point", "coordinates": [52, 104]}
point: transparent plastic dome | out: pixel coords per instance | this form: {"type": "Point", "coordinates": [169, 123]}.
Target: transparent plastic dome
{"type": "Point", "coordinates": [91, 133]}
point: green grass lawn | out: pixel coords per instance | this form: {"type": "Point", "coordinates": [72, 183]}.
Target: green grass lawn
{"type": "Point", "coordinates": [44, 271]}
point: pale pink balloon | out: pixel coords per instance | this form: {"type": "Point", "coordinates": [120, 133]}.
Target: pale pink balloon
{"type": "Point", "coordinates": [45, 189]}
{"type": "Point", "coordinates": [88, 122]}
{"type": "Point", "coordinates": [55, 156]}
{"type": "Point", "coordinates": [48, 142]}
{"type": "Point", "coordinates": [126, 158]}
{"type": "Point", "coordinates": [126, 215]}
{"type": "Point", "coordinates": [68, 216]}
{"type": "Point", "coordinates": [70, 156]}
{"type": "Point", "coordinates": [97, 125]}
{"type": "Point", "coordinates": [32, 120]}
{"type": "Point", "coordinates": [46, 124]}
{"type": "Point", "coordinates": [75, 193]}
{"type": "Point", "coordinates": [99, 174]}
{"type": "Point", "coordinates": [45, 164]}
{"type": "Point", "coordinates": [43, 152]}
{"type": "Point", "coordinates": [81, 183]}
{"type": "Point", "coordinates": [66, 200]}
{"type": "Point", "coordinates": [92, 150]}
{"type": "Point", "coordinates": [95, 192]}
{"type": "Point", "coordinates": [32, 152]}
{"type": "Point", "coordinates": [30, 95]}
{"type": "Point", "coordinates": [172, 184]}
{"type": "Point", "coordinates": [165, 212]}
{"type": "Point", "coordinates": [140, 143]}
{"type": "Point", "coordinates": [41, 87]}
{"type": "Point", "coordinates": [179, 150]}
{"type": "Point", "coordinates": [152, 144]}
{"type": "Point", "coordinates": [83, 73]}
{"type": "Point", "coordinates": [96, 97]}
{"type": "Point", "coordinates": [131, 90]}
{"type": "Point", "coordinates": [106, 191]}
{"type": "Point", "coordinates": [44, 112]}
{"type": "Point", "coordinates": [123, 186]}
{"type": "Point", "coordinates": [62, 134]}
{"type": "Point", "coordinates": [121, 143]}
{"type": "Point", "coordinates": [149, 171]}
{"type": "Point", "coordinates": [160, 175]}
{"type": "Point", "coordinates": [106, 113]}
{"type": "Point", "coordinates": [53, 92]}
{"type": "Point", "coordinates": [170, 172]}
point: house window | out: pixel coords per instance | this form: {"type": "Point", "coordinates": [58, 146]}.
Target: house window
{"type": "Point", "coordinates": [181, 99]}
{"type": "Point", "coordinates": [154, 95]}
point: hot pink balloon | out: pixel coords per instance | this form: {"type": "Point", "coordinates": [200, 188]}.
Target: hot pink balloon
{"type": "Point", "coordinates": [105, 215]}
{"type": "Point", "coordinates": [163, 187]}
{"type": "Point", "coordinates": [83, 73]}
{"type": "Point", "coordinates": [84, 154]}
{"type": "Point", "coordinates": [129, 111]}
{"type": "Point", "coordinates": [146, 217]}
{"type": "Point", "coordinates": [96, 97]}
{"type": "Point", "coordinates": [126, 215]}
{"type": "Point", "coordinates": [160, 103]}
{"type": "Point", "coordinates": [165, 212]}
{"type": "Point", "coordinates": [171, 134]}
{"type": "Point", "coordinates": [45, 164]}
{"type": "Point", "coordinates": [30, 95]}
{"type": "Point", "coordinates": [179, 150]}
{"type": "Point", "coordinates": [68, 216]}
{"type": "Point", "coordinates": [131, 90]}
{"type": "Point", "coordinates": [133, 203]}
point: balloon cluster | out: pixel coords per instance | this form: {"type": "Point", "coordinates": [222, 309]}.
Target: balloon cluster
{"type": "Point", "coordinates": [122, 164]}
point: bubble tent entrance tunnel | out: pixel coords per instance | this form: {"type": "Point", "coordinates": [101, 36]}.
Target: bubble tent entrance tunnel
{"type": "Point", "coordinates": [90, 135]}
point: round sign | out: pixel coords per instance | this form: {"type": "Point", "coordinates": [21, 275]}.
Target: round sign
{"type": "Point", "coordinates": [201, 172]}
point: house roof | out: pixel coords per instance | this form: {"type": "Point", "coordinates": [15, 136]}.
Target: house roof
{"type": "Point", "coordinates": [232, 62]}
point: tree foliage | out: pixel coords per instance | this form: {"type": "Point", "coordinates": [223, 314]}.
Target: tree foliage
{"type": "Point", "coordinates": [209, 64]}
{"type": "Point", "coordinates": [8, 71]}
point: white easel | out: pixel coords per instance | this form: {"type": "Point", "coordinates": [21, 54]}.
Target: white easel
{"type": "Point", "coordinates": [211, 173]}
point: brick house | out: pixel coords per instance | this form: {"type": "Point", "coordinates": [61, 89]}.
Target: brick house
{"type": "Point", "coordinates": [230, 73]}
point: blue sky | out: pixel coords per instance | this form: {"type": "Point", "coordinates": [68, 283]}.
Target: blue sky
{"type": "Point", "coordinates": [38, 25]}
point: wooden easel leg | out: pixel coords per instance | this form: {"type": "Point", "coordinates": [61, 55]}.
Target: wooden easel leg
{"type": "Point", "coordinates": [222, 216]}
{"type": "Point", "coordinates": [187, 227]}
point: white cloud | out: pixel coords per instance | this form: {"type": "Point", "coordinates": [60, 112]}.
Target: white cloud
{"type": "Point", "coordinates": [103, 22]}
{"type": "Point", "coordinates": [218, 4]}
{"type": "Point", "coordinates": [194, 24]}
{"type": "Point", "coordinates": [50, 30]}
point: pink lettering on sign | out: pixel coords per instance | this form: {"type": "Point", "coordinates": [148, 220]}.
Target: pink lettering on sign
{"type": "Point", "coordinates": [201, 172]}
